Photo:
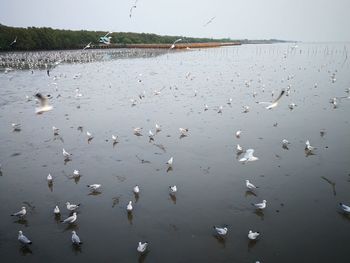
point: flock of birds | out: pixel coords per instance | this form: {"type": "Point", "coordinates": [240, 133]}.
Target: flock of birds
{"type": "Point", "coordinates": [246, 155]}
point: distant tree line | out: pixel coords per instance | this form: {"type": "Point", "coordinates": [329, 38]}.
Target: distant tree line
{"type": "Point", "coordinates": [45, 38]}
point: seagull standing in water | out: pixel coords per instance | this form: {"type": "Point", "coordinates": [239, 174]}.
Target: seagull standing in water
{"type": "Point", "coordinates": [253, 235]}
{"type": "Point", "coordinates": [250, 186]}
{"type": "Point", "coordinates": [308, 146]}
{"type": "Point", "coordinates": [115, 138]}
{"type": "Point", "coordinates": [239, 149]}
{"type": "Point", "coordinates": [70, 219]}
{"type": "Point", "coordinates": [76, 239]}
{"type": "Point", "coordinates": [21, 213]}
{"type": "Point", "coordinates": [23, 239]}
{"type": "Point", "coordinates": [221, 231]}
{"type": "Point", "coordinates": [56, 210]}
{"type": "Point", "coordinates": [261, 205]}
{"type": "Point", "coordinates": [72, 207]}
{"type": "Point", "coordinates": [66, 154]}
{"type": "Point", "coordinates": [136, 189]}
{"type": "Point", "coordinates": [141, 248]}
{"type": "Point", "coordinates": [16, 126]}
{"type": "Point", "coordinates": [49, 178]}
{"type": "Point", "coordinates": [170, 162]}
{"type": "Point", "coordinates": [238, 133]}
{"type": "Point", "coordinates": [173, 189]}
{"type": "Point", "coordinates": [344, 207]}
{"type": "Point", "coordinates": [55, 130]}
{"type": "Point", "coordinates": [129, 207]}
{"type": "Point", "coordinates": [271, 105]}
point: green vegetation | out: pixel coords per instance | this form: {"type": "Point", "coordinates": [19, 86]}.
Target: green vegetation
{"type": "Point", "coordinates": [44, 38]}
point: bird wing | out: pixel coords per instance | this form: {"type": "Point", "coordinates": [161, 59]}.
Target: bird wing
{"type": "Point", "coordinates": [24, 239]}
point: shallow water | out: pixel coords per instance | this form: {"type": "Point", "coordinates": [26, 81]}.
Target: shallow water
{"type": "Point", "coordinates": [302, 221]}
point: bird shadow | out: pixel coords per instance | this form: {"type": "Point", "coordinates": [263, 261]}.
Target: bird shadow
{"type": "Point", "coordinates": [114, 144]}
{"type": "Point", "coordinates": [22, 221]}
{"type": "Point", "coordinates": [331, 183]}
{"type": "Point", "coordinates": [251, 244]}
{"type": "Point", "coordinates": [66, 160]}
{"type": "Point", "coordinates": [250, 193]}
{"type": "Point", "coordinates": [89, 140]}
{"type": "Point", "coordinates": [71, 227]}
{"type": "Point", "coordinates": [130, 217]}
{"type": "Point", "coordinates": [76, 249]}
{"type": "Point", "coordinates": [173, 198]}
{"type": "Point", "coordinates": [95, 193]}
{"type": "Point", "coordinates": [169, 169]}
{"type": "Point", "coordinates": [182, 136]}
{"type": "Point", "coordinates": [309, 153]}
{"type": "Point", "coordinates": [50, 186]}
{"type": "Point", "coordinates": [285, 147]}
{"type": "Point", "coordinates": [344, 215]}
{"type": "Point", "coordinates": [221, 240]}
{"type": "Point", "coordinates": [25, 250]}
{"type": "Point", "coordinates": [142, 257]}
{"type": "Point", "coordinates": [260, 214]}
{"type": "Point", "coordinates": [58, 218]}
{"type": "Point", "coordinates": [137, 196]}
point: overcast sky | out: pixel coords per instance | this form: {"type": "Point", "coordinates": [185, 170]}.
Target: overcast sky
{"type": "Point", "coordinates": [303, 20]}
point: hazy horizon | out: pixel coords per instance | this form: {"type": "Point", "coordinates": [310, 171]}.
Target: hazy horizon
{"type": "Point", "coordinates": [311, 21]}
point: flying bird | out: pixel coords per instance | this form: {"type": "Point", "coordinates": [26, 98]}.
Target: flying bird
{"type": "Point", "coordinates": [273, 104]}
{"type": "Point", "coordinates": [209, 21]}
{"type": "Point", "coordinates": [87, 46]}
{"type": "Point", "coordinates": [132, 7]}
{"type": "Point", "coordinates": [173, 45]}
{"type": "Point", "coordinates": [248, 156]}
{"type": "Point", "coordinates": [44, 104]}
{"type": "Point", "coordinates": [13, 42]}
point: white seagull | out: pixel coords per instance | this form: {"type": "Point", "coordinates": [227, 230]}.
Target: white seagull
{"type": "Point", "coordinates": [210, 20]}
{"type": "Point", "coordinates": [23, 239]}
{"type": "Point", "coordinates": [20, 213]}
{"type": "Point", "coordinates": [158, 128]}
{"type": "Point", "coordinates": [114, 138]}
{"type": "Point", "coordinates": [141, 248]}
{"type": "Point", "coordinates": [129, 207]}
{"type": "Point", "coordinates": [66, 154]}
{"type": "Point", "coordinates": [183, 131]}
{"type": "Point", "coordinates": [173, 45]}
{"type": "Point", "coordinates": [136, 189]}
{"type": "Point", "coordinates": [221, 231]}
{"type": "Point", "coordinates": [239, 149]}
{"type": "Point", "coordinates": [273, 104]}
{"type": "Point", "coordinates": [285, 143]}
{"type": "Point", "coordinates": [261, 205]}
{"type": "Point", "coordinates": [44, 104]}
{"type": "Point", "coordinates": [55, 130]}
{"type": "Point", "coordinates": [248, 156]}
{"type": "Point", "coordinates": [344, 207]}
{"type": "Point", "coordinates": [170, 162]}
{"type": "Point", "coordinates": [87, 46]}
{"type": "Point", "coordinates": [238, 133]}
{"type": "Point", "coordinates": [70, 219]}
{"type": "Point", "coordinates": [253, 235]}
{"type": "Point", "coordinates": [72, 207]}
{"type": "Point", "coordinates": [76, 173]}
{"type": "Point", "coordinates": [308, 146]}
{"type": "Point", "coordinates": [173, 189]}
{"type": "Point", "coordinates": [16, 126]}
{"type": "Point", "coordinates": [76, 239]}
{"type": "Point", "coordinates": [56, 210]}
{"type": "Point", "coordinates": [49, 178]}
{"type": "Point", "coordinates": [89, 135]}
{"type": "Point", "coordinates": [250, 186]}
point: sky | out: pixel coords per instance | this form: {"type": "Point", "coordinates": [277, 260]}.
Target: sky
{"type": "Point", "coordinates": [300, 20]}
